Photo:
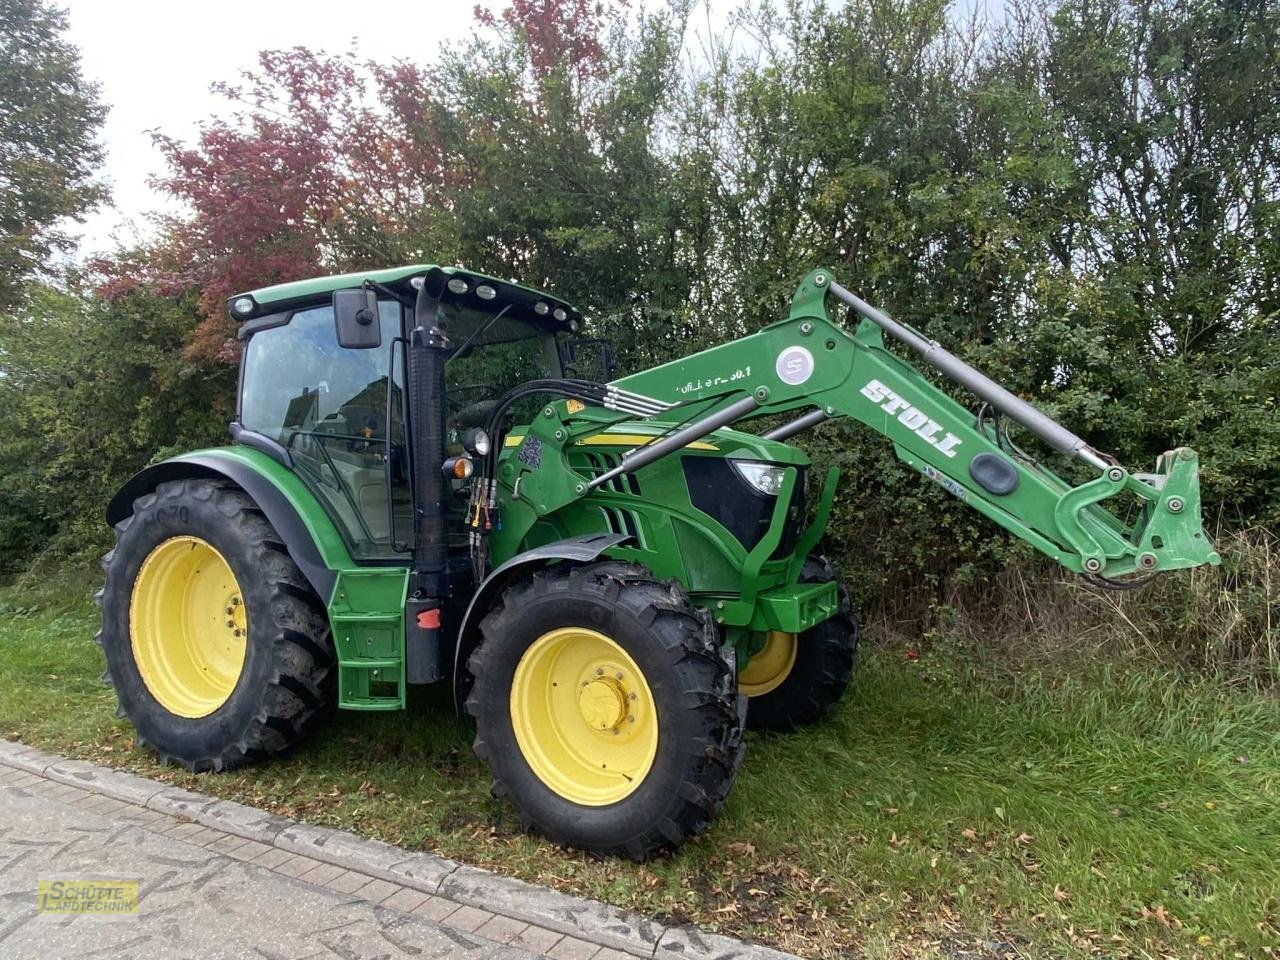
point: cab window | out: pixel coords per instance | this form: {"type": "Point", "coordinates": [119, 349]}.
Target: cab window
{"type": "Point", "coordinates": [328, 407]}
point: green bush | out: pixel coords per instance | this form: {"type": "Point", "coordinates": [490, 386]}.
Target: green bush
{"type": "Point", "coordinates": [91, 391]}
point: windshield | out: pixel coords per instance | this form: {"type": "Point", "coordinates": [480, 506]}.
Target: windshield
{"type": "Point", "coordinates": [503, 354]}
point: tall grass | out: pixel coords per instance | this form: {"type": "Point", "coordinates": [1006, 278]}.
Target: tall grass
{"type": "Point", "coordinates": [1221, 621]}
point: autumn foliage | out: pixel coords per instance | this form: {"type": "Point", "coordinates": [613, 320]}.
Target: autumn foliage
{"type": "Point", "coordinates": [330, 162]}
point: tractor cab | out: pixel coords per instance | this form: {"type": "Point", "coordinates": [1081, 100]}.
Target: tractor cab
{"type": "Point", "coordinates": [323, 374]}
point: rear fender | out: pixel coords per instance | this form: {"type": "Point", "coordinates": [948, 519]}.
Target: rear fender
{"type": "Point", "coordinates": [582, 549]}
{"type": "Point", "coordinates": [291, 509]}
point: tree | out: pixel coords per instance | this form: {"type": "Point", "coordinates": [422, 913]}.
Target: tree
{"type": "Point", "coordinates": [1082, 199]}
{"type": "Point", "coordinates": [49, 120]}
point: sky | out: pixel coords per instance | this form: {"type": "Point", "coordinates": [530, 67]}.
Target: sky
{"type": "Point", "coordinates": [155, 61]}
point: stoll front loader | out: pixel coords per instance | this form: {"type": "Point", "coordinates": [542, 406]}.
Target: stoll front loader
{"type": "Point", "coordinates": [615, 577]}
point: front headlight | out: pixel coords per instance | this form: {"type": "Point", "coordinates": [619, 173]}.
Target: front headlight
{"type": "Point", "coordinates": [765, 477]}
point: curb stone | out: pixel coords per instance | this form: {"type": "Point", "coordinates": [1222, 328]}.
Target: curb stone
{"type": "Point", "coordinates": [696, 945]}
{"type": "Point", "coordinates": [176, 802]}
{"type": "Point", "coordinates": [598, 923]}
{"type": "Point", "coordinates": [27, 759]}
{"type": "Point", "coordinates": [111, 783]}
{"type": "Point", "coordinates": [585, 919]}
{"type": "Point", "coordinates": [423, 871]}
{"type": "Point", "coordinates": [248, 822]}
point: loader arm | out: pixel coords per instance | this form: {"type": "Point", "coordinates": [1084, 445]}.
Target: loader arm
{"type": "Point", "coordinates": [814, 367]}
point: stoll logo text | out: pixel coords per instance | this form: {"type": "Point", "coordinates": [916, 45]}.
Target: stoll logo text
{"type": "Point", "coordinates": [915, 420]}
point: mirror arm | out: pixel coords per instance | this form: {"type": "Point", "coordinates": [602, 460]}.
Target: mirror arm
{"type": "Point", "coordinates": [400, 298]}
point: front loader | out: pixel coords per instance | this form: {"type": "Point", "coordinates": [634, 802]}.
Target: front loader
{"type": "Point", "coordinates": [616, 575]}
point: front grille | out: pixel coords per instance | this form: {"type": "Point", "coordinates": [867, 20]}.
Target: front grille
{"type": "Point", "coordinates": [719, 491]}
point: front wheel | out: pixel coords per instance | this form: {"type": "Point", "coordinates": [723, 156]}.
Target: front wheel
{"type": "Point", "coordinates": [605, 709]}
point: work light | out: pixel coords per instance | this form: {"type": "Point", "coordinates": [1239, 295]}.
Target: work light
{"type": "Point", "coordinates": [476, 442]}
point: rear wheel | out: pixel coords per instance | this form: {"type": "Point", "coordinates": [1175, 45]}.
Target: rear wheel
{"type": "Point", "coordinates": [605, 709]}
{"type": "Point", "coordinates": [794, 681]}
{"type": "Point", "coordinates": [218, 649]}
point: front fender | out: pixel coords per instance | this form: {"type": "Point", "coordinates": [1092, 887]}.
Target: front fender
{"type": "Point", "coordinates": [581, 549]}
{"type": "Point", "coordinates": [309, 535]}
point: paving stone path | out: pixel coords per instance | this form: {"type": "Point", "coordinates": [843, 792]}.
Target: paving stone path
{"type": "Point", "coordinates": [218, 879]}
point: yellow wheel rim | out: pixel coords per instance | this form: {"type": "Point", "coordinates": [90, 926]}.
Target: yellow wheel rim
{"type": "Point", "coordinates": [188, 626]}
{"type": "Point", "coordinates": [771, 665]}
{"type": "Point", "coordinates": [584, 717]}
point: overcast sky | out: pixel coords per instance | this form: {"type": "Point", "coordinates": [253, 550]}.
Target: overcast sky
{"type": "Point", "coordinates": [155, 60]}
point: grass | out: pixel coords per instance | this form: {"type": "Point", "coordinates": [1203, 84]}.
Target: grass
{"type": "Point", "coordinates": [951, 808]}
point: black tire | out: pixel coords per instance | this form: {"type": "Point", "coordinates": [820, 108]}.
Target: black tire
{"type": "Point", "coordinates": [287, 679]}
{"type": "Point", "coordinates": [694, 691]}
{"type": "Point", "coordinates": [825, 659]}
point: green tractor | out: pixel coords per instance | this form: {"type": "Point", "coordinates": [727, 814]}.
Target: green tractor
{"type": "Point", "coordinates": [615, 575]}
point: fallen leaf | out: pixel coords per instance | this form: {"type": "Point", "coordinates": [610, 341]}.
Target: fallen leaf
{"type": "Point", "coordinates": [969, 833]}
{"type": "Point", "coordinates": [1060, 895]}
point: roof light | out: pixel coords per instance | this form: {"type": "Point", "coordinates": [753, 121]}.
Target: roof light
{"type": "Point", "coordinates": [458, 285]}
{"type": "Point", "coordinates": [574, 325]}
{"type": "Point", "coordinates": [541, 309]}
{"type": "Point", "coordinates": [486, 292]}
{"type": "Point", "coordinates": [243, 306]}
{"type": "Point", "coordinates": [559, 314]}
{"type": "Point", "coordinates": [417, 282]}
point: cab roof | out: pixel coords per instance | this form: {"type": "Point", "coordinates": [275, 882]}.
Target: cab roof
{"type": "Point", "coordinates": [299, 293]}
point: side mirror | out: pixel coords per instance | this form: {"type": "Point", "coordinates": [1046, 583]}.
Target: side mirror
{"type": "Point", "coordinates": [589, 356]}
{"type": "Point", "coordinates": [355, 314]}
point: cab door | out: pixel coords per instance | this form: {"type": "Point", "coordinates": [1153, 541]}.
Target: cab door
{"type": "Point", "coordinates": [340, 415]}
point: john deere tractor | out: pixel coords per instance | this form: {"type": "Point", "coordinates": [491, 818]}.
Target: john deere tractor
{"type": "Point", "coordinates": [615, 575]}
